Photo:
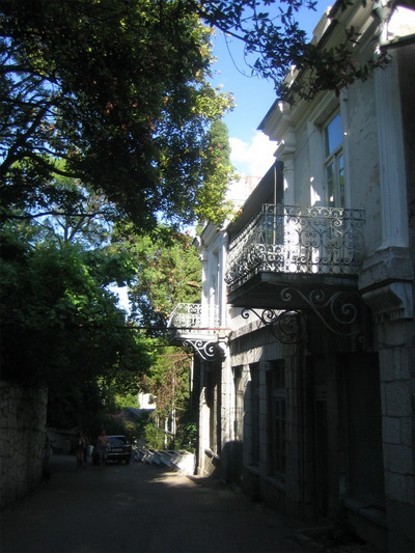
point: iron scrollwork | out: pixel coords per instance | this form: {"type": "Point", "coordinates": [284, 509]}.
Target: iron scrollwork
{"type": "Point", "coordinates": [208, 351]}
{"type": "Point", "coordinates": [297, 240]}
{"type": "Point", "coordinates": [338, 312]}
{"type": "Point", "coordinates": [288, 326]}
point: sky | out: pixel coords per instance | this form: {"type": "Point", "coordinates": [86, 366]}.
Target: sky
{"type": "Point", "coordinates": [252, 152]}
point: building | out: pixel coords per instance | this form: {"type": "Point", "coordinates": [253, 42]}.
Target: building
{"type": "Point", "coordinates": [305, 337]}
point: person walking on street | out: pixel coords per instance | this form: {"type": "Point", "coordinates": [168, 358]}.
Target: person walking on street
{"type": "Point", "coordinates": [80, 450]}
{"type": "Point", "coordinates": [102, 447]}
{"type": "Point", "coordinates": [87, 445]}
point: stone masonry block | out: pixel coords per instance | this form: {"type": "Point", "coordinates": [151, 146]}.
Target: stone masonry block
{"type": "Point", "coordinates": [410, 489]}
{"type": "Point", "coordinates": [406, 431]}
{"type": "Point", "coordinates": [397, 399]}
{"type": "Point", "coordinates": [386, 365]}
{"type": "Point", "coordinates": [401, 364]}
{"type": "Point", "coordinates": [395, 486]}
{"type": "Point", "coordinates": [391, 430]}
{"type": "Point", "coordinates": [399, 459]}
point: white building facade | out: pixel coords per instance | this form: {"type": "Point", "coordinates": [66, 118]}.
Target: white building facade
{"type": "Point", "coordinates": [307, 373]}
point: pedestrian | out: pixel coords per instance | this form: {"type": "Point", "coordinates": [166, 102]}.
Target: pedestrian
{"type": "Point", "coordinates": [102, 448]}
{"type": "Point", "coordinates": [86, 450]}
{"type": "Point", "coordinates": [79, 450]}
{"type": "Point", "coordinates": [47, 454]}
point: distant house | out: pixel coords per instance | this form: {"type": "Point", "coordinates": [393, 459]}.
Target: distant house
{"type": "Point", "coordinates": [146, 401]}
{"type": "Point", "coordinates": [147, 404]}
{"type": "Point", "coordinates": [134, 414]}
{"type": "Point", "coordinates": [304, 339]}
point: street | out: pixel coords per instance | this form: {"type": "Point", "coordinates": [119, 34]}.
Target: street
{"type": "Point", "coordinates": [140, 508]}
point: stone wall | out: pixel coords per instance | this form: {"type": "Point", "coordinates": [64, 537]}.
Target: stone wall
{"type": "Point", "coordinates": [22, 440]}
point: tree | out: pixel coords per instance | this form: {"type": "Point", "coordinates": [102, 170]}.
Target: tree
{"type": "Point", "coordinates": [274, 43]}
{"type": "Point", "coordinates": [112, 93]}
{"type": "Point", "coordinates": [167, 271]}
{"type": "Point", "coordinates": [116, 94]}
{"type": "Point", "coordinates": [91, 224]}
{"type": "Point", "coordinates": [217, 174]}
{"type": "Point", "coordinates": [169, 382]}
{"type": "Point", "coordinates": [61, 328]}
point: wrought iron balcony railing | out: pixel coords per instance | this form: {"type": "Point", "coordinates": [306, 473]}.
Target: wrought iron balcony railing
{"type": "Point", "coordinates": [190, 318]}
{"type": "Point", "coordinates": [196, 328]}
{"type": "Point", "coordinates": [290, 239]}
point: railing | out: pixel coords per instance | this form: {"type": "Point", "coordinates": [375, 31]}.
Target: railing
{"type": "Point", "coordinates": [291, 239]}
{"type": "Point", "coordinates": [190, 318]}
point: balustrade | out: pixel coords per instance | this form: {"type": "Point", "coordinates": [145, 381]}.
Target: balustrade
{"type": "Point", "coordinates": [297, 240]}
{"type": "Point", "coordinates": [192, 318]}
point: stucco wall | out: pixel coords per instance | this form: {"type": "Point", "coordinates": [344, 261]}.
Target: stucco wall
{"type": "Point", "coordinates": [22, 440]}
{"type": "Point", "coordinates": [363, 159]}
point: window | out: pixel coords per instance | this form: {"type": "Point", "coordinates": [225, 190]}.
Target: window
{"type": "Point", "coordinates": [254, 397]}
{"type": "Point", "coordinates": [239, 404]}
{"type": "Point", "coordinates": [277, 419]}
{"type": "Point", "coordinates": [334, 162]}
{"type": "Point", "coordinates": [212, 400]}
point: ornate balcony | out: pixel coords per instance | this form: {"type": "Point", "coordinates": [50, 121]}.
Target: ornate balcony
{"type": "Point", "coordinates": [195, 328]}
{"type": "Point", "coordinates": [291, 258]}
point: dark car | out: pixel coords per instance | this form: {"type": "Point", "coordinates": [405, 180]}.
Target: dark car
{"type": "Point", "coordinates": [119, 449]}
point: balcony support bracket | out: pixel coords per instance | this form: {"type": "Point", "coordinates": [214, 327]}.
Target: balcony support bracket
{"type": "Point", "coordinates": [206, 350]}
{"type": "Point", "coordinates": [338, 311]}
{"type": "Point", "coordinates": [288, 327]}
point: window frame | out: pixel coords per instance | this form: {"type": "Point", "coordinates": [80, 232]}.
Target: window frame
{"type": "Point", "coordinates": [326, 109]}
{"type": "Point", "coordinates": [254, 411]}
{"type": "Point", "coordinates": [277, 420]}
{"type": "Point", "coordinates": [335, 187]}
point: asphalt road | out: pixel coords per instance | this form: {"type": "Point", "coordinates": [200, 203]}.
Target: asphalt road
{"type": "Point", "coordinates": [140, 509]}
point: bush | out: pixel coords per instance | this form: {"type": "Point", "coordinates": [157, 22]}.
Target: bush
{"type": "Point", "coordinates": [187, 437]}
{"type": "Point", "coordinates": [154, 437]}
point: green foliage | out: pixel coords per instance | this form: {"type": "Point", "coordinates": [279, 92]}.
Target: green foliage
{"type": "Point", "coordinates": [168, 271]}
{"type": "Point", "coordinates": [274, 42]}
{"type": "Point", "coordinates": [126, 400]}
{"type": "Point", "coordinates": [84, 218]}
{"type": "Point", "coordinates": [218, 172]}
{"type": "Point", "coordinates": [168, 380]}
{"type": "Point", "coordinates": [112, 93]}
{"type": "Point", "coordinates": [187, 437]}
{"type": "Point", "coordinates": [61, 327]}
{"type": "Point", "coordinates": [105, 110]}
{"type": "Point", "coordinates": [130, 429]}
{"type": "Point", "coordinates": [116, 94]}
{"type": "Point", "coordinates": [154, 437]}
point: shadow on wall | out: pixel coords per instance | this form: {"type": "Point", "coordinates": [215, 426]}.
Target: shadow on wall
{"type": "Point", "coordinates": [22, 451]}
{"type": "Point", "coordinates": [228, 466]}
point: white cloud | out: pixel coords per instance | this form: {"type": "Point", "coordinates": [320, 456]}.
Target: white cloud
{"type": "Point", "coordinates": [252, 158]}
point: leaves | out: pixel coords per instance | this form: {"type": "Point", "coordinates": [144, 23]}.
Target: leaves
{"type": "Point", "coordinates": [167, 271]}
{"type": "Point", "coordinates": [218, 172]}
{"type": "Point", "coordinates": [60, 325]}
{"type": "Point", "coordinates": [274, 43]}
{"type": "Point", "coordinates": [112, 93]}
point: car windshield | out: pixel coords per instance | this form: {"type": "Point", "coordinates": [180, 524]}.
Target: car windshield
{"type": "Point", "coordinates": [117, 440]}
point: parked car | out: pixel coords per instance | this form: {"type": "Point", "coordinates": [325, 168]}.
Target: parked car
{"type": "Point", "coordinates": [119, 449]}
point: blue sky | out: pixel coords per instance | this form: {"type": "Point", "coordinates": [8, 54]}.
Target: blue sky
{"type": "Point", "coordinates": [251, 152]}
